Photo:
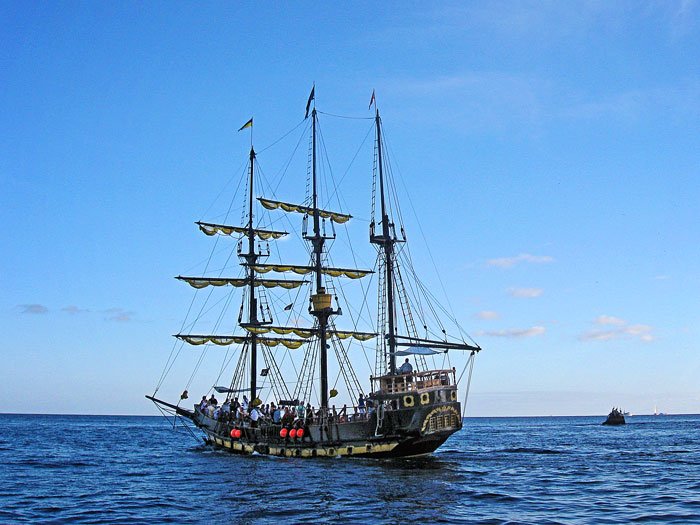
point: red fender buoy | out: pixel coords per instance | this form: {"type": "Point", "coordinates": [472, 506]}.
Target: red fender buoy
{"type": "Point", "coordinates": [237, 432]}
{"type": "Point", "coordinates": [300, 433]}
{"type": "Point", "coordinates": [283, 433]}
{"type": "Point", "coordinates": [233, 432]}
{"type": "Point", "coordinates": [293, 433]}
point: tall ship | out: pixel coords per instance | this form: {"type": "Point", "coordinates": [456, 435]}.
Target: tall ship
{"type": "Point", "coordinates": [289, 383]}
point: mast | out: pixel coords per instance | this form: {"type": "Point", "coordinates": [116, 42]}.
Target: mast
{"type": "Point", "coordinates": [322, 309]}
{"type": "Point", "coordinates": [251, 258]}
{"type": "Point", "coordinates": [387, 241]}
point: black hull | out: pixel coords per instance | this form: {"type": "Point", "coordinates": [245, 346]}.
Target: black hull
{"type": "Point", "coordinates": [401, 433]}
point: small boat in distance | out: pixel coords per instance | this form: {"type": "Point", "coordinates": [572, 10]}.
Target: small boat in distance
{"type": "Point", "coordinates": [657, 413]}
{"type": "Point", "coordinates": [615, 417]}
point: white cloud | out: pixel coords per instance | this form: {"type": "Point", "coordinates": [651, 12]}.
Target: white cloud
{"type": "Point", "coordinates": [119, 315]}
{"type": "Point", "coordinates": [487, 315]}
{"type": "Point", "coordinates": [509, 262]}
{"type": "Point", "coordinates": [33, 308]}
{"type": "Point", "coordinates": [528, 293]}
{"type": "Point", "coordinates": [72, 309]}
{"type": "Point", "coordinates": [515, 332]}
{"type": "Point", "coordinates": [620, 329]}
{"type": "Point", "coordinates": [609, 319]}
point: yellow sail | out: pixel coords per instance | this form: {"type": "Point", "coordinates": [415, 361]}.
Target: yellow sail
{"type": "Point", "coordinates": [222, 229]}
{"type": "Point", "coordinates": [306, 333]}
{"type": "Point", "coordinates": [202, 282]}
{"type": "Point", "coordinates": [339, 218]}
{"type": "Point", "coordinates": [225, 340]}
{"type": "Point", "coordinates": [305, 270]}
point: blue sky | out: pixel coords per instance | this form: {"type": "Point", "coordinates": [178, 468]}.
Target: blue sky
{"type": "Point", "coordinates": [549, 148]}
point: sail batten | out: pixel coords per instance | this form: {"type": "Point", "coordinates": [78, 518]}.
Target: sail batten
{"type": "Point", "coordinates": [210, 228]}
{"type": "Point", "coordinates": [339, 218]}
{"type": "Point", "coordinates": [203, 282]}
{"type": "Point", "coordinates": [350, 273]}
{"type": "Point", "coordinates": [226, 340]}
{"type": "Point", "coordinates": [414, 342]}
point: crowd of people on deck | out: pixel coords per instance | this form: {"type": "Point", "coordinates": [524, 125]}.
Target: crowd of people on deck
{"type": "Point", "coordinates": [233, 411]}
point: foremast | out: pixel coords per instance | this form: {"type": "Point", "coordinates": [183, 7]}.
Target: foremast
{"type": "Point", "coordinates": [251, 259]}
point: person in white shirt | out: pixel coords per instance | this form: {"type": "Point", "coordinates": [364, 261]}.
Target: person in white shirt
{"type": "Point", "coordinates": [254, 416]}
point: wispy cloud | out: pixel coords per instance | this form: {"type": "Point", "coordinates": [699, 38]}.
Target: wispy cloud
{"type": "Point", "coordinates": [609, 319]}
{"type": "Point", "coordinates": [32, 308]}
{"type": "Point", "coordinates": [515, 333]}
{"type": "Point", "coordinates": [487, 315]}
{"type": "Point", "coordinates": [616, 328]}
{"type": "Point", "coordinates": [527, 293]}
{"type": "Point", "coordinates": [72, 309]}
{"type": "Point", "coordinates": [509, 262]}
{"type": "Point", "coordinates": [119, 315]}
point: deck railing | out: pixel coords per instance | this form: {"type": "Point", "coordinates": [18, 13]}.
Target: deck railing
{"type": "Point", "coordinates": [413, 382]}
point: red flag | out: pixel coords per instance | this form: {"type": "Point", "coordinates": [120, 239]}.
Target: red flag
{"type": "Point", "coordinates": [372, 100]}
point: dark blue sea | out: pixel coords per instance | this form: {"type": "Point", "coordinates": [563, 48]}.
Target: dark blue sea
{"type": "Point", "coordinates": [97, 469]}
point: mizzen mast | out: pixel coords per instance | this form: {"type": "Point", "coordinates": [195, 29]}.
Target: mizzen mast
{"type": "Point", "coordinates": [387, 239]}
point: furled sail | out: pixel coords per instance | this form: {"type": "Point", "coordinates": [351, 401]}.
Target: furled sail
{"type": "Point", "coordinates": [308, 332]}
{"type": "Point", "coordinates": [339, 218]}
{"type": "Point", "coordinates": [304, 270]}
{"type": "Point", "coordinates": [224, 340]}
{"type": "Point", "coordinates": [222, 229]}
{"type": "Point", "coordinates": [202, 282]}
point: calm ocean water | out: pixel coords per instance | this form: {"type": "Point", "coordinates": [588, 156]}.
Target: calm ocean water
{"type": "Point", "coordinates": [95, 469]}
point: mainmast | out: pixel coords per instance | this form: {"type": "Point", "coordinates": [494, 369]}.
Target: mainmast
{"type": "Point", "coordinates": [321, 301]}
{"type": "Point", "coordinates": [251, 258]}
{"type": "Point", "coordinates": [387, 240]}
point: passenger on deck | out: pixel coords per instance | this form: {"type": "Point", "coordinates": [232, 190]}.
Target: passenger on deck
{"type": "Point", "coordinates": [254, 416]}
{"type": "Point", "coordinates": [276, 415]}
{"type": "Point", "coordinates": [361, 405]}
{"type": "Point", "coordinates": [203, 404]}
{"type": "Point", "coordinates": [213, 401]}
{"type": "Point", "coordinates": [406, 368]}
